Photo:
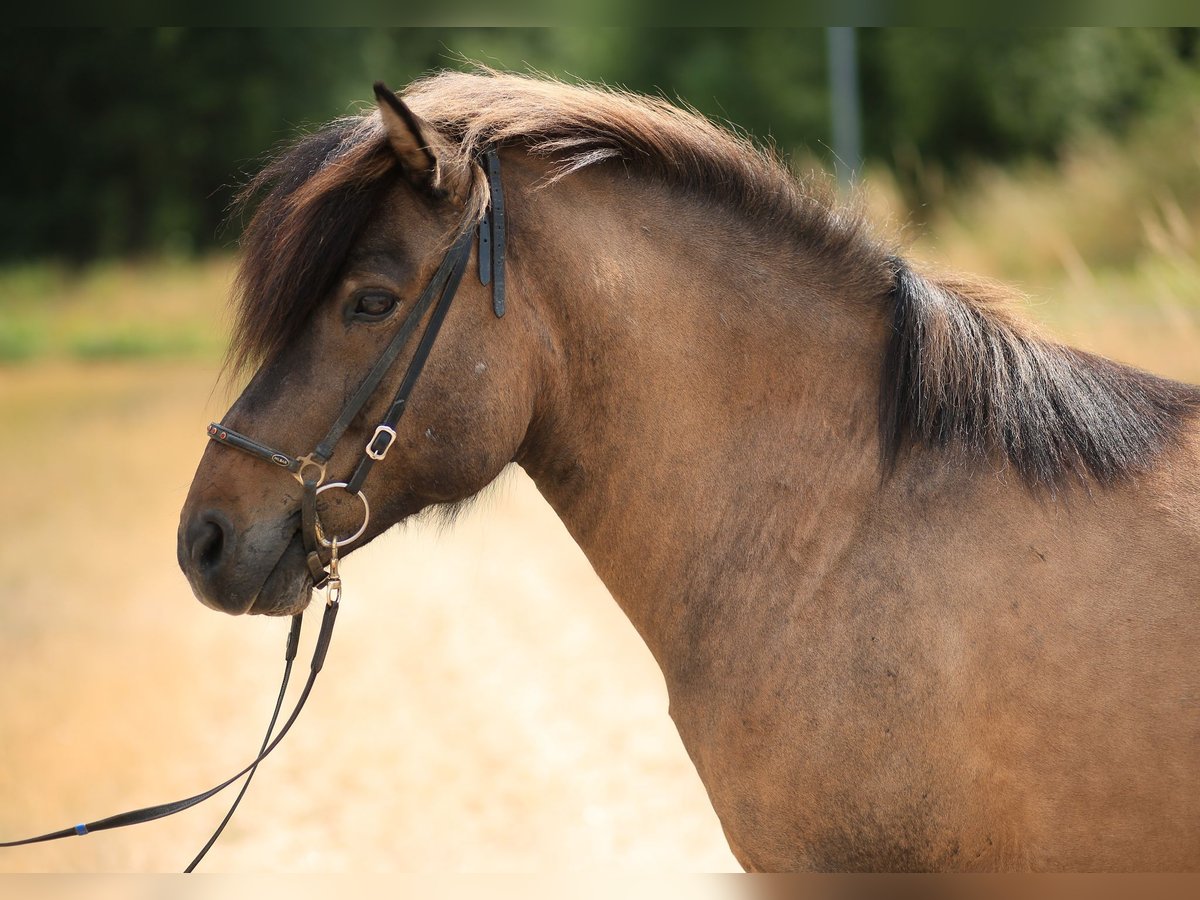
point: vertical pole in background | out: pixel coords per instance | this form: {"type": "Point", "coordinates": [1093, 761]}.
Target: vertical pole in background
{"type": "Point", "coordinates": [843, 102]}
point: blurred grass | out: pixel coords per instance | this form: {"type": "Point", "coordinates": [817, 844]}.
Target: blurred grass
{"type": "Point", "coordinates": [166, 309]}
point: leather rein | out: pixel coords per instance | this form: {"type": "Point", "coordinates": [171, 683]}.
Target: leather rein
{"type": "Point", "coordinates": [310, 471]}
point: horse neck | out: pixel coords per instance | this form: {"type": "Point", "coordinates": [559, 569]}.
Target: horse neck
{"type": "Point", "coordinates": [702, 389]}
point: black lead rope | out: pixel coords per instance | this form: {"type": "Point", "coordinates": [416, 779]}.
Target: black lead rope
{"type": "Point", "coordinates": [150, 813]}
{"type": "Point", "coordinates": [289, 657]}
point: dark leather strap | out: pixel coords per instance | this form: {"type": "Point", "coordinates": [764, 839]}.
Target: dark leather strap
{"type": "Point", "coordinates": [381, 441]}
{"type": "Point", "coordinates": [223, 435]}
{"type": "Point", "coordinates": [485, 248]}
{"type": "Point", "coordinates": [496, 223]}
{"type": "Point", "coordinates": [491, 236]}
{"type": "Point", "coordinates": [150, 813]}
{"type": "Point", "coordinates": [308, 533]}
{"type": "Point", "coordinates": [365, 390]}
{"type": "Point", "coordinates": [231, 438]}
{"type": "Point", "coordinates": [289, 656]}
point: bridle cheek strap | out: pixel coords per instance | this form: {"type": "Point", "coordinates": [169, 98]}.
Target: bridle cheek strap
{"type": "Point", "coordinates": [492, 236]}
{"type": "Point", "coordinates": [308, 530]}
{"type": "Point", "coordinates": [385, 433]}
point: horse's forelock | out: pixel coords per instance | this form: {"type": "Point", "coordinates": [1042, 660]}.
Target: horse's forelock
{"type": "Point", "coordinates": [308, 205]}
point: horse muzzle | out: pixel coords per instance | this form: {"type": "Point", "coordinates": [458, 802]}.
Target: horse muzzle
{"type": "Point", "coordinates": [260, 570]}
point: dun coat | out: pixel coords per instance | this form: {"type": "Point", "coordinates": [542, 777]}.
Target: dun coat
{"type": "Point", "coordinates": [924, 585]}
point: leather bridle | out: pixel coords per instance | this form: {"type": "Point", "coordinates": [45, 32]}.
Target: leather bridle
{"type": "Point", "coordinates": [310, 471]}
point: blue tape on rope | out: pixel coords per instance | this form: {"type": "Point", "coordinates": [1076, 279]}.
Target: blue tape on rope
{"type": "Point", "coordinates": [81, 829]}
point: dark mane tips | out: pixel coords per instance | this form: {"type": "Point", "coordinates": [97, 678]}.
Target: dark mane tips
{"type": "Point", "coordinates": [960, 372]}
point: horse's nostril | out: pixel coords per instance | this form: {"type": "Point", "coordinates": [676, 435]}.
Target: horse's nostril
{"type": "Point", "coordinates": [206, 551]}
{"type": "Point", "coordinates": [209, 541]}
{"type": "Point", "coordinates": [209, 554]}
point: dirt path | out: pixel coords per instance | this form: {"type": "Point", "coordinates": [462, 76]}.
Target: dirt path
{"type": "Point", "coordinates": [485, 707]}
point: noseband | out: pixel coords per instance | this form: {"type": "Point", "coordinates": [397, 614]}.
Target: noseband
{"type": "Point", "coordinates": [310, 469]}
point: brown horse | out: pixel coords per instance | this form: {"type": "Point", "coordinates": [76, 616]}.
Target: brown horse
{"type": "Point", "coordinates": [924, 586]}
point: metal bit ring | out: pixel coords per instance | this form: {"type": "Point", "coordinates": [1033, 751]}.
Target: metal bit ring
{"type": "Point", "coordinates": [343, 542]}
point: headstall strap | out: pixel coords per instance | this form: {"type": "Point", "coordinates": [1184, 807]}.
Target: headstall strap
{"type": "Point", "coordinates": [496, 225]}
{"type": "Point", "coordinates": [485, 249]}
{"type": "Point", "coordinates": [308, 531]}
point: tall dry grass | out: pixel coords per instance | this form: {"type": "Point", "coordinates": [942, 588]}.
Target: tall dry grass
{"type": "Point", "coordinates": [1104, 243]}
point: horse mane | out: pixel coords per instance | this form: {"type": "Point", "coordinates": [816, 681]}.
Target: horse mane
{"type": "Point", "coordinates": [961, 371]}
{"type": "Point", "coordinates": [577, 126]}
{"type": "Point", "coordinates": [312, 199]}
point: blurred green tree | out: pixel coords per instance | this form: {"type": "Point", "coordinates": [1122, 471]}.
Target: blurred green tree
{"type": "Point", "coordinates": [129, 141]}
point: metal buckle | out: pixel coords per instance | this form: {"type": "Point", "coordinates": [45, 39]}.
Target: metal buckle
{"type": "Point", "coordinates": [342, 542]}
{"type": "Point", "coordinates": [382, 429]}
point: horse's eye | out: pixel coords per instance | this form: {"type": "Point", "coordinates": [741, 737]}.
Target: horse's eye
{"type": "Point", "coordinates": [374, 305]}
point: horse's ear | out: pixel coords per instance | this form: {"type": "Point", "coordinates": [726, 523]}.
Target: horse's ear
{"type": "Point", "coordinates": [424, 155]}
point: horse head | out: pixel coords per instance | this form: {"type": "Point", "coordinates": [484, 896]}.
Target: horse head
{"type": "Point", "coordinates": [347, 258]}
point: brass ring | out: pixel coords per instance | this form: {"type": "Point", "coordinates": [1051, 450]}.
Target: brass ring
{"type": "Point", "coordinates": [342, 542]}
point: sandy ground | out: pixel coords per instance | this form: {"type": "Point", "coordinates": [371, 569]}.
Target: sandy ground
{"type": "Point", "coordinates": [486, 707]}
